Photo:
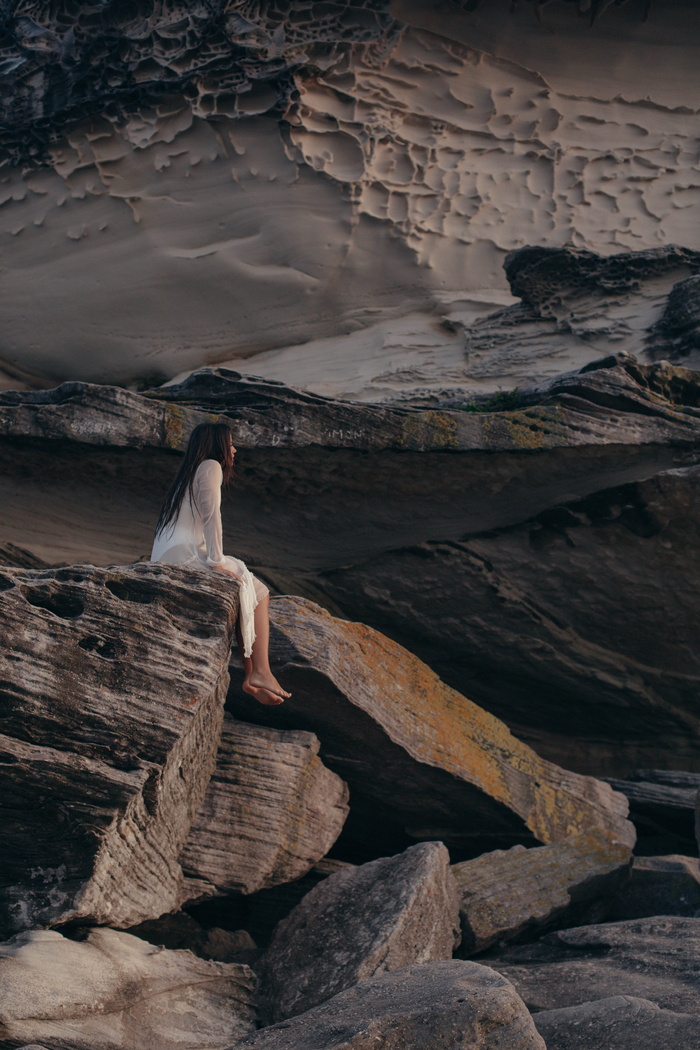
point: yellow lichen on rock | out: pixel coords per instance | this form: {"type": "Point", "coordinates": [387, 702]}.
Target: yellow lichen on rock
{"type": "Point", "coordinates": [438, 728]}
{"type": "Point", "coordinates": [524, 430]}
{"type": "Point", "coordinates": [430, 430]}
{"type": "Point", "coordinates": [174, 420]}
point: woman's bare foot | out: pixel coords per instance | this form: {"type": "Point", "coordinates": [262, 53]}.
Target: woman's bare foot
{"type": "Point", "coordinates": [265, 689]}
{"type": "Point", "coordinates": [263, 696]}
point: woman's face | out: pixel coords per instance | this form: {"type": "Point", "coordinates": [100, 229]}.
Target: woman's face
{"type": "Point", "coordinates": [233, 449]}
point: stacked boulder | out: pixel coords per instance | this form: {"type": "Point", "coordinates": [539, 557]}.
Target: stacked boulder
{"type": "Point", "coordinates": [128, 792]}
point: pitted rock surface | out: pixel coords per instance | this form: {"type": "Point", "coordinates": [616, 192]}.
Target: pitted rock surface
{"type": "Point", "coordinates": [113, 689]}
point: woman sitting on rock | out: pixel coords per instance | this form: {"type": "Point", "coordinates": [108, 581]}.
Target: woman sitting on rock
{"type": "Point", "coordinates": [189, 533]}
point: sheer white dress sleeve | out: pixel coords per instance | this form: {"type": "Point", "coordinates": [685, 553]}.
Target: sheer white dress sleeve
{"type": "Point", "coordinates": [207, 499]}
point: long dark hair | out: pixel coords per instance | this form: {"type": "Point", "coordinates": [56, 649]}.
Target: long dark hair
{"type": "Point", "coordinates": [207, 441]}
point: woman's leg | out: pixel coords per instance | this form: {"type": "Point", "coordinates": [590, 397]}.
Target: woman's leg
{"type": "Point", "coordinates": [258, 679]}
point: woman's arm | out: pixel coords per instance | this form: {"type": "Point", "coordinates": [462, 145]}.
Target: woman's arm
{"type": "Point", "coordinates": [208, 499]}
{"type": "Point", "coordinates": [207, 494]}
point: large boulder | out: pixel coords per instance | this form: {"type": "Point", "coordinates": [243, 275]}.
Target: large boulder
{"type": "Point", "coordinates": [113, 991]}
{"type": "Point", "coordinates": [588, 599]}
{"type": "Point", "coordinates": [519, 893]}
{"type": "Point", "coordinates": [360, 922]}
{"type": "Point", "coordinates": [654, 958]}
{"type": "Point", "coordinates": [113, 686]}
{"type": "Point", "coordinates": [436, 1006]}
{"type": "Point", "coordinates": [422, 761]}
{"type": "Point", "coordinates": [620, 1022]}
{"type": "Point", "coordinates": [270, 812]}
{"type": "Point", "coordinates": [659, 886]}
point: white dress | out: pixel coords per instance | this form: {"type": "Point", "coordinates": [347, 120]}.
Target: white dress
{"type": "Point", "coordinates": [195, 538]}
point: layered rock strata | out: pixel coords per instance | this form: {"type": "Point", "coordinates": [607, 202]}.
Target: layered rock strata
{"type": "Point", "coordinates": [662, 806]}
{"type": "Point", "coordinates": [590, 599]}
{"type": "Point", "coordinates": [434, 1006]}
{"type": "Point", "coordinates": [517, 894]}
{"type": "Point", "coordinates": [655, 959]}
{"type": "Point", "coordinates": [113, 689]}
{"type": "Point", "coordinates": [113, 991]}
{"type": "Point", "coordinates": [422, 761]}
{"type": "Point", "coordinates": [558, 535]}
{"type": "Point", "coordinates": [270, 812]}
{"type": "Point", "coordinates": [358, 923]}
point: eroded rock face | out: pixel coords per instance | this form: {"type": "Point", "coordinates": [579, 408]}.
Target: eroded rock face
{"type": "Point", "coordinates": [113, 689]}
{"type": "Point", "coordinates": [422, 761]}
{"type": "Point", "coordinates": [620, 1021]}
{"type": "Point", "coordinates": [270, 812]}
{"type": "Point", "coordinates": [358, 923]}
{"type": "Point", "coordinates": [328, 169]}
{"type": "Point", "coordinates": [80, 995]}
{"type": "Point", "coordinates": [655, 959]}
{"type": "Point", "coordinates": [438, 1005]}
{"type": "Point", "coordinates": [514, 895]}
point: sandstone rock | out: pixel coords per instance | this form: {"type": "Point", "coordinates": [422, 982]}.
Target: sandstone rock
{"type": "Point", "coordinates": [452, 1004]}
{"type": "Point", "coordinates": [113, 688]}
{"type": "Point", "coordinates": [676, 335]}
{"type": "Point", "coordinates": [381, 916]}
{"type": "Point", "coordinates": [181, 931]}
{"type": "Point", "coordinates": [620, 1022]}
{"type": "Point", "coordinates": [662, 805]}
{"type": "Point", "coordinates": [18, 558]}
{"type": "Point", "coordinates": [365, 509]}
{"type": "Point", "coordinates": [259, 913]}
{"type": "Point", "coordinates": [113, 991]}
{"type": "Point", "coordinates": [303, 448]}
{"type": "Point", "coordinates": [659, 886]}
{"type": "Point", "coordinates": [422, 761]}
{"type": "Point", "coordinates": [513, 895]}
{"type": "Point", "coordinates": [271, 810]}
{"type": "Point", "coordinates": [207, 157]}
{"type": "Point", "coordinates": [589, 600]}
{"type": "Point", "coordinates": [654, 958]}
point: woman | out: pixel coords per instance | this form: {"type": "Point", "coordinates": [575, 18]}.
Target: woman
{"type": "Point", "coordinates": [189, 533]}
